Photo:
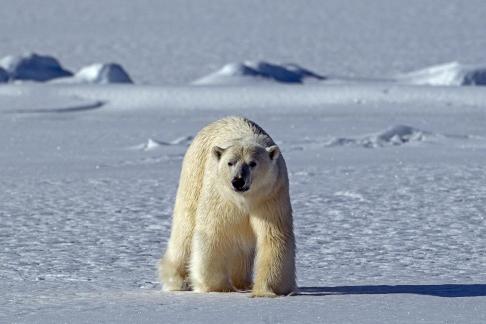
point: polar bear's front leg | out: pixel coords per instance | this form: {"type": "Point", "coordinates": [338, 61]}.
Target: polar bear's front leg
{"type": "Point", "coordinates": [240, 269]}
{"type": "Point", "coordinates": [275, 256]}
{"type": "Point", "coordinates": [208, 269]}
{"type": "Point", "coordinates": [173, 272]}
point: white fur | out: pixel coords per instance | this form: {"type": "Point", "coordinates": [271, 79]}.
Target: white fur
{"type": "Point", "coordinates": [221, 238]}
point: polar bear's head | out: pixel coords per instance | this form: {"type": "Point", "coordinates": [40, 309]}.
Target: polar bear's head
{"type": "Point", "coordinates": [247, 168]}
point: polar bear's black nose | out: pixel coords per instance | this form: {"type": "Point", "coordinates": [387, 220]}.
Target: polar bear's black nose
{"type": "Point", "coordinates": [238, 183]}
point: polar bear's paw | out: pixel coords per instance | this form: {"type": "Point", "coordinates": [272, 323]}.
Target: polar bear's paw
{"type": "Point", "coordinates": [263, 293]}
{"type": "Point", "coordinates": [176, 283]}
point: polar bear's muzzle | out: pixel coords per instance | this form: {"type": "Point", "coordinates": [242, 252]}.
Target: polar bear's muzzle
{"type": "Point", "coordinates": [239, 184]}
{"type": "Point", "coordinates": [241, 181]}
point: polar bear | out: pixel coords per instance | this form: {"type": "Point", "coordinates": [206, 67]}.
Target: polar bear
{"type": "Point", "coordinates": [232, 223]}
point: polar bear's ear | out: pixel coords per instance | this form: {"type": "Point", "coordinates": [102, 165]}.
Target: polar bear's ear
{"type": "Point", "coordinates": [273, 151]}
{"type": "Point", "coordinates": [217, 152]}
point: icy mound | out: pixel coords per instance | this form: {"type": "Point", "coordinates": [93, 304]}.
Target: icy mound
{"type": "Point", "coordinates": [103, 74]}
{"type": "Point", "coordinates": [3, 75]}
{"type": "Point", "coordinates": [33, 67]}
{"type": "Point", "coordinates": [450, 74]}
{"type": "Point", "coordinates": [396, 135]}
{"type": "Point", "coordinates": [153, 144]}
{"type": "Point", "coordinates": [236, 73]}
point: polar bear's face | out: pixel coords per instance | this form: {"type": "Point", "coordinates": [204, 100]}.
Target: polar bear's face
{"type": "Point", "coordinates": [247, 168]}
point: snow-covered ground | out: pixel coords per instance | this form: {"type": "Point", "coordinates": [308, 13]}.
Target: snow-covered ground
{"type": "Point", "coordinates": [87, 197]}
{"type": "Point", "coordinates": [387, 174]}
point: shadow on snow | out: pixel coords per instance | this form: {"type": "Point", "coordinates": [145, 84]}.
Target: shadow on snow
{"type": "Point", "coordinates": [446, 290]}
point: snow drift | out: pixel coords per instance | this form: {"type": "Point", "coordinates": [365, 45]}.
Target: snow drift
{"type": "Point", "coordinates": [3, 75]}
{"type": "Point", "coordinates": [153, 144]}
{"type": "Point", "coordinates": [449, 74]}
{"type": "Point", "coordinates": [237, 73]}
{"type": "Point", "coordinates": [103, 74]}
{"type": "Point", "coordinates": [393, 136]}
{"type": "Point", "coordinates": [33, 67]}
{"type": "Point", "coordinates": [99, 73]}
{"type": "Point", "coordinates": [40, 68]}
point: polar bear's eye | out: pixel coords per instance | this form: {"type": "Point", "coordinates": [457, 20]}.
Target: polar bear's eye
{"type": "Point", "coordinates": [231, 163]}
{"type": "Point", "coordinates": [252, 164]}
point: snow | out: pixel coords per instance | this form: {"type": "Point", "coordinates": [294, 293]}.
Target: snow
{"type": "Point", "coordinates": [40, 68]}
{"type": "Point", "coordinates": [3, 75]}
{"type": "Point", "coordinates": [99, 73]}
{"type": "Point", "coordinates": [381, 233]}
{"type": "Point", "coordinates": [396, 135]}
{"type": "Point", "coordinates": [387, 175]}
{"type": "Point", "coordinates": [449, 74]}
{"type": "Point", "coordinates": [153, 144]}
{"type": "Point", "coordinates": [33, 67]}
{"type": "Point", "coordinates": [176, 42]}
{"type": "Point", "coordinates": [251, 72]}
